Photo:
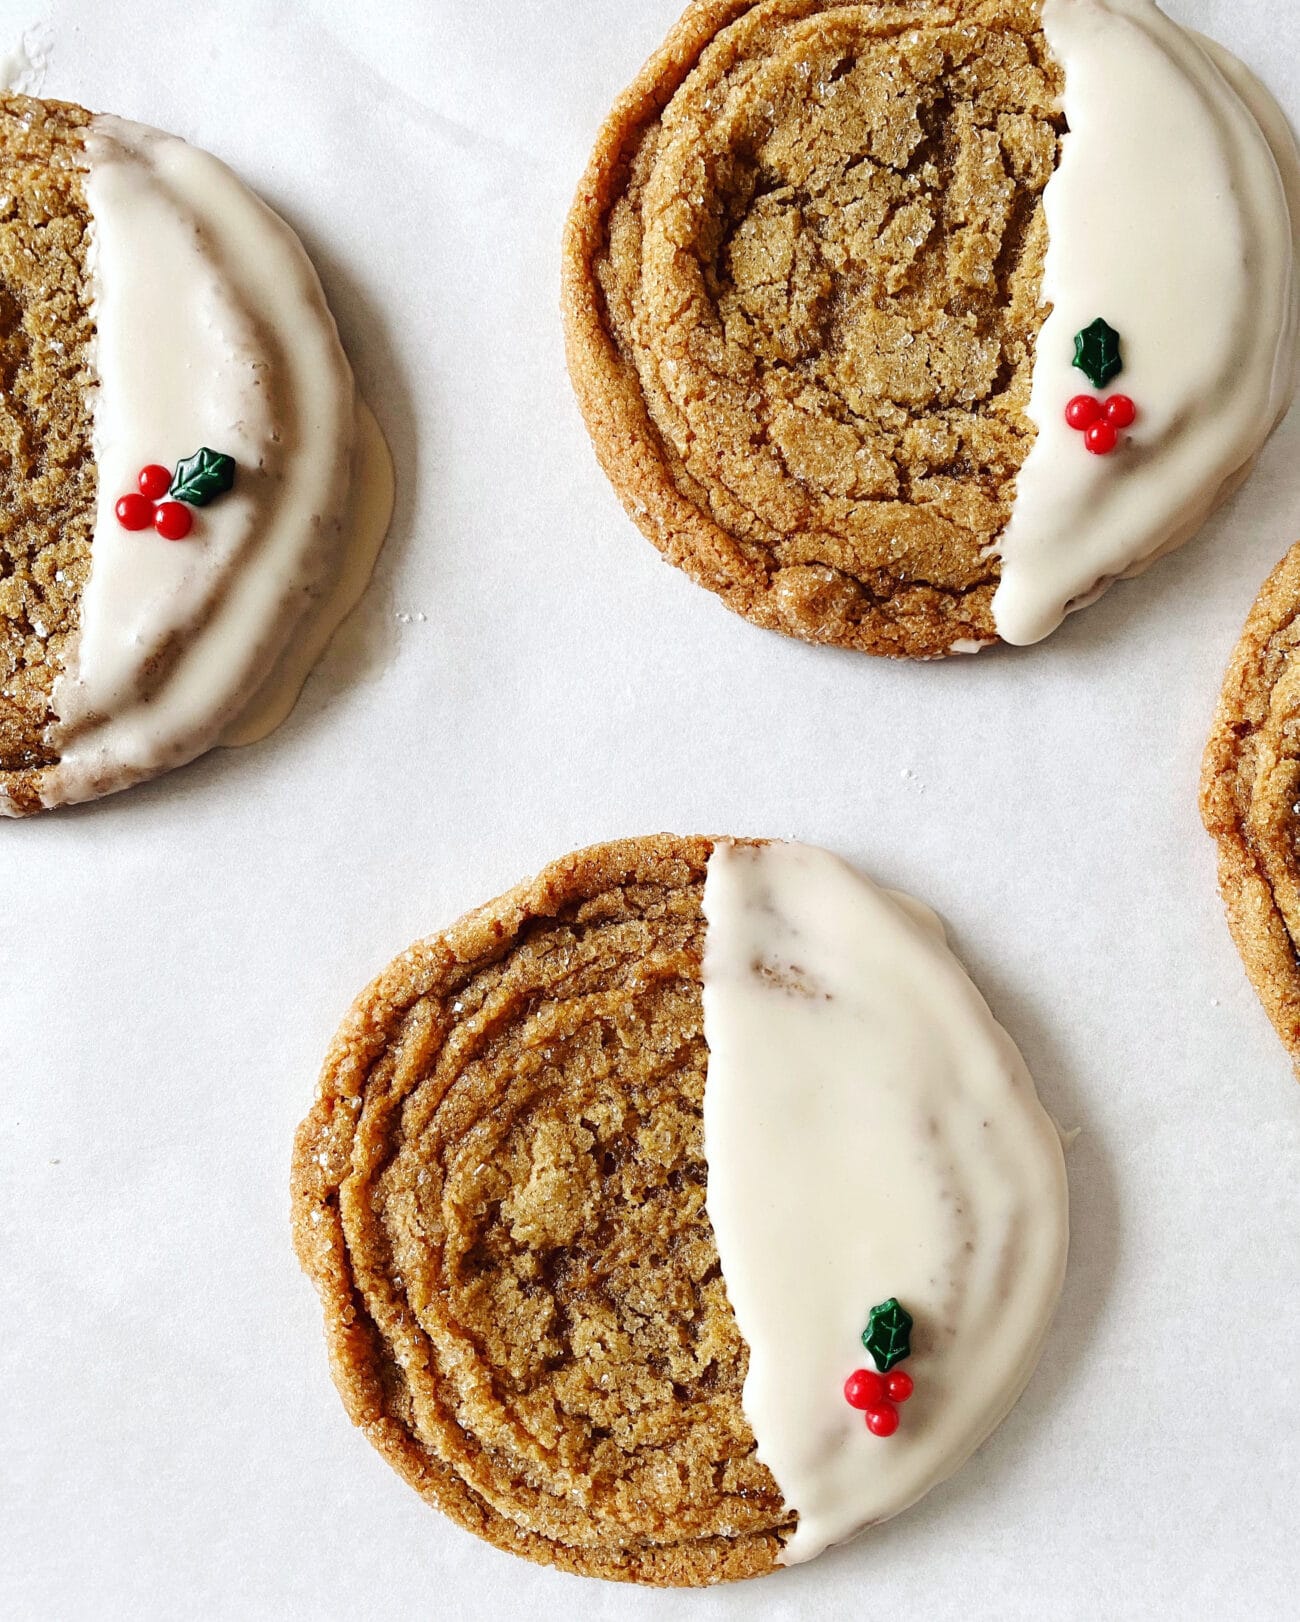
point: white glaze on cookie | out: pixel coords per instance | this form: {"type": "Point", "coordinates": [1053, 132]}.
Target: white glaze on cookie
{"type": "Point", "coordinates": [1167, 217]}
{"type": "Point", "coordinates": [870, 1131]}
{"type": "Point", "coordinates": [365, 525]}
{"type": "Point", "coordinates": [211, 330]}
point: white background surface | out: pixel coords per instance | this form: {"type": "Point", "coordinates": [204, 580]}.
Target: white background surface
{"type": "Point", "coordinates": [173, 961]}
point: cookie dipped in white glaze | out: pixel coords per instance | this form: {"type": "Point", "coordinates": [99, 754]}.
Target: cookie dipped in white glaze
{"type": "Point", "coordinates": [870, 1132]}
{"type": "Point", "coordinates": [211, 330]}
{"type": "Point", "coordinates": [1168, 218]}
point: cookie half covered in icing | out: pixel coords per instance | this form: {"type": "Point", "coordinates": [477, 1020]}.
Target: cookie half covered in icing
{"type": "Point", "coordinates": [679, 1213]}
{"type": "Point", "coordinates": [192, 495]}
{"type": "Point", "coordinates": [1250, 797]}
{"type": "Point", "coordinates": [911, 327]}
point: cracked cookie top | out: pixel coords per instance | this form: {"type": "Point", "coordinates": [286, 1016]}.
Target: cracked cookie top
{"type": "Point", "coordinates": [802, 297]}
{"type": "Point", "coordinates": [1250, 790]}
{"type": "Point", "coordinates": [500, 1196]}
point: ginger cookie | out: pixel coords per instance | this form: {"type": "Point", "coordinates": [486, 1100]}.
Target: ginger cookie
{"type": "Point", "coordinates": [680, 1213]}
{"type": "Point", "coordinates": [909, 327]}
{"type": "Point", "coordinates": [1250, 790]}
{"type": "Point", "coordinates": [190, 493]}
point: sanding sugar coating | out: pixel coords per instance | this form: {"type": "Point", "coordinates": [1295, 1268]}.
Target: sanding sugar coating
{"type": "Point", "coordinates": [210, 330]}
{"type": "Point", "coordinates": [1250, 791]}
{"type": "Point", "coordinates": [801, 300]}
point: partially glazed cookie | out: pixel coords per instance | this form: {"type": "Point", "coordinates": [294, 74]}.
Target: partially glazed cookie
{"type": "Point", "coordinates": [192, 494]}
{"type": "Point", "coordinates": [909, 327]}
{"type": "Point", "coordinates": [535, 1194]}
{"type": "Point", "coordinates": [1250, 791]}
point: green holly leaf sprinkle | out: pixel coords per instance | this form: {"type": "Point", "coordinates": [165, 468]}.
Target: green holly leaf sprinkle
{"type": "Point", "coordinates": [887, 1335]}
{"type": "Point", "coordinates": [202, 477]}
{"type": "Point", "coordinates": [1096, 353]}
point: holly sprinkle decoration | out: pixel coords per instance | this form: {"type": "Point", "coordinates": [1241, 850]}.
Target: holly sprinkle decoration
{"type": "Point", "coordinates": [172, 520]}
{"type": "Point", "coordinates": [134, 512]}
{"type": "Point", "coordinates": [197, 481]}
{"type": "Point", "coordinates": [1096, 353]}
{"type": "Point", "coordinates": [864, 1389]}
{"type": "Point", "coordinates": [1099, 421]}
{"type": "Point", "coordinates": [203, 476]}
{"type": "Point", "coordinates": [155, 481]}
{"type": "Point", "coordinates": [877, 1392]}
{"type": "Point", "coordinates": [887, 1333]}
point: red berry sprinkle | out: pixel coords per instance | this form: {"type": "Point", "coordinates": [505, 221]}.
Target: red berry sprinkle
{"type": "Point", "coordinates": [1120, 411]}
{"type": "Point", "coordinates": [898, 1387]}
{"type": "Point", "coordinates": [864, 1389]}
{"type": "Point", "coordinates": [882, 1421]}
{"type": "Point", "coordinates": [1101, 438]}
{"type": "Point", "coordinates": [155, 481]}
{"type": "Point", "coordinates": [173, 520]}
{"type": "Point", "coordinates": [1083, 411]}
{"type": "Point", "coordinates": [134, 512]}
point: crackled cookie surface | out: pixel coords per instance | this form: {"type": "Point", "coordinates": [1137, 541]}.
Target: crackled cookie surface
{"type": "Point", "coordinates": [47, 473]}
{"type": "Point", "coordinates": [1250, 791]}
{"type": "Point", "coordinates": [802, 298]}
{"type": "Point", "coordinates": [535, 1195]}
{"type": "Point", "coordinates": [500, 1195]}
{"type": "Point", "coordinates": [824, 277]}
{"type": "Point", "coordinates": [192, 494]}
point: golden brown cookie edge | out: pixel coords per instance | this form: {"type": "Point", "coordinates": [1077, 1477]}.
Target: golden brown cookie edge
{"type": "Point", "coordinates": [481, 935]}
{"type": "Point", "coordinates": [609, 393]}
{"type": "Point", "coordinates": [1254, 919]}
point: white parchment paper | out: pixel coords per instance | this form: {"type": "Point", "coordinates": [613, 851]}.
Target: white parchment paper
{"type": "Point", "coordinates": [524, 677]}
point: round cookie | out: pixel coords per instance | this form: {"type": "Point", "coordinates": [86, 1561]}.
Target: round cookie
{"type": "Point", "coordinates": [828, 273]}
{"type": "Point", "coordinates": [1250, 788]}
{"type": "Point", "coordinates": [500, 1196]}
{"type": "Point", "coordinates": [192, 495]}
{"type": "Point", "coordinates": [534, 1217]}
